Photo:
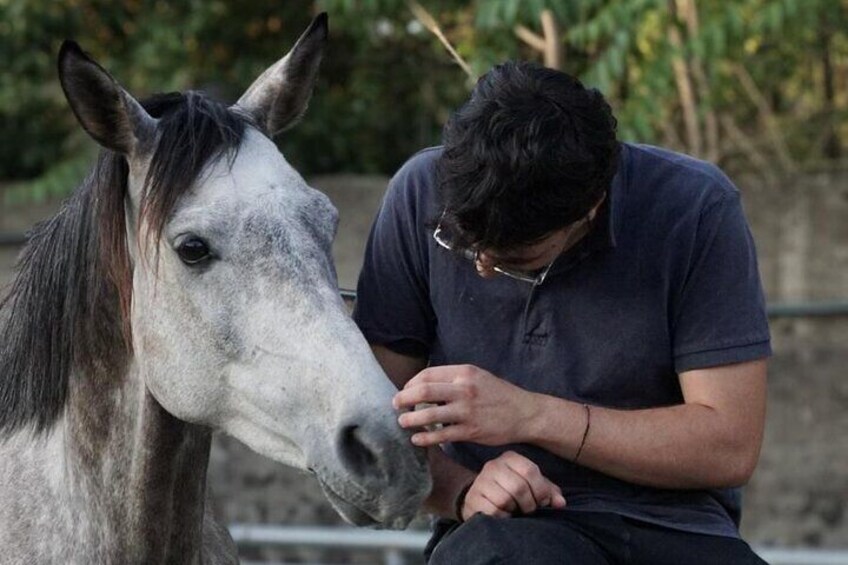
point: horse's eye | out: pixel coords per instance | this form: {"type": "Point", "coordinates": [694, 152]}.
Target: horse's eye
{"type": "Point", "coordinates": [193, 251]}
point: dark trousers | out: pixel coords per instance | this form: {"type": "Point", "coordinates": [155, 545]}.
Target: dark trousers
{"type": "Point", "coordinates": [578, 538]}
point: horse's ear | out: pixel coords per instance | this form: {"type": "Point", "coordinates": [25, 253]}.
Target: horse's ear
{"type": "Point", "coordinates": [278, 98]}
{"type": "Point", "coordinates": [104, 109]}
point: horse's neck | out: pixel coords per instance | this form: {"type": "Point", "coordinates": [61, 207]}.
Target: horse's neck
{"type": "Point", "coordinates": [140, 468]}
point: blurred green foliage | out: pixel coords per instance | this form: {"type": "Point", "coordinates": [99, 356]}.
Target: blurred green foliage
{"type": "Point", "coordinates": [382, 94]}
{"type": "Point", "coordinates": [755, 82]}
{"type": "Point", "coordinates": [748, 83]}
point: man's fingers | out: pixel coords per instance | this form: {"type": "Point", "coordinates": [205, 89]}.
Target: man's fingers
{"type": "Point", "coordinates": [499, 497]}
{"type": "Point", "coordinates": [544, 492]}
{"type": "Point", "coordinates": [516, 484]}
{"type": "Point", "coordinates": [456, 432]}
{"type": "Point", "coordinates": [508, 484]}
{"type": "Point", "coordinates": [427, 416]}
{"type": "Point", "coordinates": [442, 374]}
{"type": "Point", "coordinates": [479, 503]}
{"type": "Point", "coordinates": [424, 393]}
{"type": "Point", "coordinates": [519, 489]}
{"type": "Point", "coordinates": [547, 493]}
{"type": "Point", "coordinates": [558, 500]}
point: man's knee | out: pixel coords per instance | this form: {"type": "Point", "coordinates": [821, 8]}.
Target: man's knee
{"type": "Point", "coordinates": [484, 540]}
{"type": "Point", "coordinates": [481, 540]}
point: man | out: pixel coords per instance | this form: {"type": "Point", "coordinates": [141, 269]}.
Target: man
{"type": "Point", "coordinates": [581, 325]}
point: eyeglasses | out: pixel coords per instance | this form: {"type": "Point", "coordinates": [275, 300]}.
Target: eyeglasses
{"type": "Point", "coordinates": [473, 256]}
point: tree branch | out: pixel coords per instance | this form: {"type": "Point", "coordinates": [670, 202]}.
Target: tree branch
{"type": "Point", "coordinates": [766, 117]}
{"type": "Point", "coordinates": [747, 146]}
{"type": "Point", "coordinates": [549, 44]}
{"type": "Point", "coordinates": [532, 39]}
{"type": "Point", "coordinates": [553, 46]}
{"type": "Point", "coordinates": [430, 23]}
{"type": "Point", "coordinates": [684, 87]}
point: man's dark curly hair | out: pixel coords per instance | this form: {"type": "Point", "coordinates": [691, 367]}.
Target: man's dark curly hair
{"type": "Point", "coordinates": [530, 152]}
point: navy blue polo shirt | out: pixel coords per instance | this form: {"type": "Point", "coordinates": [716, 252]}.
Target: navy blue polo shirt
{"type": "Point", "coordinates": [665, 282]}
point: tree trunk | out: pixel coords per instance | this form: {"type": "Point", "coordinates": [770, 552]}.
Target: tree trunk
{"type": "Point", "coordinates": [832, 147]}
{"type": "Point", "coordinates": [685, 91]}
{"type": "Point", "coordinates": [689, 13]}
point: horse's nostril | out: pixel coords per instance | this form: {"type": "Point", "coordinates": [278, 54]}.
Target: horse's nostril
{"type": "Point", "coordinates": [355, 451]}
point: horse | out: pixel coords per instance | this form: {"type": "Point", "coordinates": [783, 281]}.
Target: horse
{"type": "Point", "coordinates": [186, 286]}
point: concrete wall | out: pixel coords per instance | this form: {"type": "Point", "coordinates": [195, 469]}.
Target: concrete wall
{"type": "Point", "coordinates": [800, 491]}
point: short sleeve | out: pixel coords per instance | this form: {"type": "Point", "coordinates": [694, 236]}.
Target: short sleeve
{"type": "Point", "coordinates": [720, 316]}
{"type": "Point", "coordinates": [393, 305]}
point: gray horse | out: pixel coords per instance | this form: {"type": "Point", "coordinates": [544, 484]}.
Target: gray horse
{"type": "Point", "coordinates": [187, 286]}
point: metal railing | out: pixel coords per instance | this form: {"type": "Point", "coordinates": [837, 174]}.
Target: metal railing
{"type": "Point", "coordinates": [9, 239]}
{"type": "Point", "coordinates": [783, 556]}
{"type": "Point", "coordinates": [396, 547]}
{"type": "Point", "coordinates": [825, 308]}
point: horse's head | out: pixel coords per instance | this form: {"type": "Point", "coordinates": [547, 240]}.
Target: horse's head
{"type": "Point", "coordinates": [236, 320]}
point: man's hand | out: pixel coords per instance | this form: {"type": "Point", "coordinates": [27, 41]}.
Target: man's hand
{"type": "Point", "coordinates": [473, 404]}
{"type": "Point", "coordinates": [508, 485]}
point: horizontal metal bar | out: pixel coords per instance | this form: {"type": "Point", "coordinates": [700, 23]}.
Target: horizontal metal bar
{"type": "Point", "coordinates": [12, 239]}
{"type": "Point", "coordinates": [808, 309]}
{"type": "Point", "coordinates": [778, 310]}
{"type": "Point", "coordinates": [782, 556]}
{"type": "Point", "coordinates": [255, 534]}
{"type": "Point", "coordinates": [381, 540]}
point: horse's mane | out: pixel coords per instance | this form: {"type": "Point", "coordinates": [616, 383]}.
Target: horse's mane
{"type": "Point", "coordinates": [68, 309]}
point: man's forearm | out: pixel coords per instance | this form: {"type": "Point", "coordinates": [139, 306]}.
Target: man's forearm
{"type": "Point", "coordinates": [672, 447]}
{"type": "Point", "coordinates": [712, 440]}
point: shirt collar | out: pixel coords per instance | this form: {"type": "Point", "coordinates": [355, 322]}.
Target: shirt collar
{"type": "Point", "coordinates": [604, 227]}
{"type": "Point", "coordinates": [610, 214]}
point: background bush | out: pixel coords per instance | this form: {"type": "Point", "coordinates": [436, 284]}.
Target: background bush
{"type": "Point", "coordinates": [752, 84]}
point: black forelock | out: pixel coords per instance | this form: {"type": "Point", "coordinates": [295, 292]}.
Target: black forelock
{"type": "Point", "coordinates": [193, 130]}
